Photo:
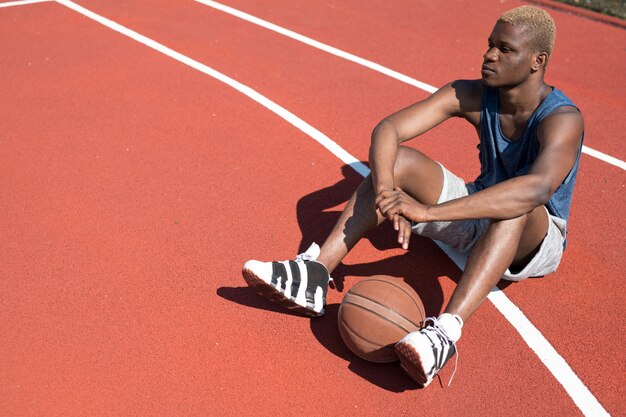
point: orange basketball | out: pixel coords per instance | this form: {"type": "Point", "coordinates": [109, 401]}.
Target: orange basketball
{"type": "Point", "coordinates": [376, 313]}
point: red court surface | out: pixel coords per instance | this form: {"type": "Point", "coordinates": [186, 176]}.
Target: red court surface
{"type": "Point", "coordinates": [133, 187]}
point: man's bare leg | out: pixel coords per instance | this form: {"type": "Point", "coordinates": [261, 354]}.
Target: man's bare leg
{"type": "Point", "coordinates": [505, 243]}
{"type": "Point", "coordinates": [418, 175]}
{"type": "Point", "coordinates": [302, 284]}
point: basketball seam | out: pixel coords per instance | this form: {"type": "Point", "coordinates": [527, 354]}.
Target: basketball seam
{"type": "Point", "coordinates": [388, 308]}
{"type": "Point", "coordinates": [382, 317]}
{"type": "Point", "coordinates": [423, 310]}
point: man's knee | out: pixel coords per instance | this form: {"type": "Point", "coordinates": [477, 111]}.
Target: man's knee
{"type": "Point", "coordinates": [418, 175]}
{"type": "Point", "coordinates": [531, 228]}
{"type": "Point", "coordinates": [516, 223]}
{"type": "Point", "coordinates": [407, 160]}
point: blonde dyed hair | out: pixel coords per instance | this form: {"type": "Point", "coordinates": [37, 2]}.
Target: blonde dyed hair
{"type": "Point", "coordinates": [538, 23]}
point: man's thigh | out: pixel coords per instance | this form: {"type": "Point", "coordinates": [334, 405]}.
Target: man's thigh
{"type": "Point", "coordinates": [547, 257]}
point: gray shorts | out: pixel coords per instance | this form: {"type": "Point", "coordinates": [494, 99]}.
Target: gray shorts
{"type": "Point", "coordinates": [462, 235]}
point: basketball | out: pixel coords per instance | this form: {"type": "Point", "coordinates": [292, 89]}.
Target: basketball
{"type": "Point", "coordinates": [376, 313]}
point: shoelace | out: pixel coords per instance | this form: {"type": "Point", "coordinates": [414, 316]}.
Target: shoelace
{"type": "Point", "coordinates": [305, 257]}
{"type": "Point", "coordinates": [442, 333]}
{"type": "Point", "coordinates": [302, 257]}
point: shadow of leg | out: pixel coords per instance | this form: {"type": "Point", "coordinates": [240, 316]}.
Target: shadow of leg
{"type": "Point", "coordinates": [314, 221]}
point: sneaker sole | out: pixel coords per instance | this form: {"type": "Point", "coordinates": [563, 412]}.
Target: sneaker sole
{"type": "Point", "coordinates": [411, 363]}
{"type": "Point", "coordinates": [267, 291]}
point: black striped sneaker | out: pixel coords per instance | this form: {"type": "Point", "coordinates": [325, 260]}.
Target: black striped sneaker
{"type": "Point", "coordinates": [423, 353]}
{"type": "Point", "coordinates": [300, 285]}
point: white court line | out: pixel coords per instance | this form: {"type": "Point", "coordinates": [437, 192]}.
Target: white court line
{"type": "Point", "coordinates": [364, 62]}
{"type": "Point", "coordinates": [604, 157]}
{"type": "Point", "coordinates": [579, 393]}
{"type": "Point", "coordinates": [21, 3]}
{"type": "Point", "coordinates": [555, 363]}
{"type": "Point", "coordinates": [319, 45]}
{"type": "Point", "coordinates": [244, 89]}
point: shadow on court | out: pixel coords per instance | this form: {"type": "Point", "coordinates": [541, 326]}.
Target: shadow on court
{"type": "Point", "coordinates": [420, 267]}
{"type": "Point", "coordinates": [388, 376]}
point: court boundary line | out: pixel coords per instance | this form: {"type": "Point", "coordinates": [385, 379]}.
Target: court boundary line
{"type": "Point", "coordinates": [574, 387]}
{"type": "Point", "coordinates": [22, 3]}
{"type": "Point", "coordinates": [365, 62]}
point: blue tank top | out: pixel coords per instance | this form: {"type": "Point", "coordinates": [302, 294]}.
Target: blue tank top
{"type": "Point", "coordinates": [501, 158]}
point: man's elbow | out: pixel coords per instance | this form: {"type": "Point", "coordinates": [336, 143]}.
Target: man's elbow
{"type": "Point", "coordinates": [543, 191]}
{"type": "Point", "coordinates": [383, 128]}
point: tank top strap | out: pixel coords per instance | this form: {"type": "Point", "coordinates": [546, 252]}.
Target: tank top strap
{"type": "Point", "coordinates": [553, 101]}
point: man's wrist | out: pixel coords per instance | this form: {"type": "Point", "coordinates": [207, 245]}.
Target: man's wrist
{"type": "Point", "coordinates": [383, 186]}
{"type": "Point", "coordinates": [430, 213]}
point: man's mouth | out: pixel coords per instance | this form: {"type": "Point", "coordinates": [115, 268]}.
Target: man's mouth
{"type": "Point", "coordinates": [486, 70]}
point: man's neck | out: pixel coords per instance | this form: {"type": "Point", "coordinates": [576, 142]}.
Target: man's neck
{"type": "Point", "coordinates": [523, 98]}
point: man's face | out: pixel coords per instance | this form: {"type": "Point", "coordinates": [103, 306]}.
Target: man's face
{"type": "Point", "coordinates": [508, 59]}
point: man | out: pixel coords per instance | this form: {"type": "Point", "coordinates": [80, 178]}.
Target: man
{"type": "Point", "coordinates": [511, 221]}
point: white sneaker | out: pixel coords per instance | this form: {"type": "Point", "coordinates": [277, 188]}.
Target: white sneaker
{"type": "Point", "coordinates": [423, 353]}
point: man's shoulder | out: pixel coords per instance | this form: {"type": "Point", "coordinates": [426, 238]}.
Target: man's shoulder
{"type": "Point", "coordinates": [560, 117]}
{"type": "Point", "coordinates": [561, 109]}
{"type": "Point", "coordinates": [468, 88]}
{"type": "Point", "coordinates": [562, 122]}
{"type": "Point", "coordinates": [469, 95]}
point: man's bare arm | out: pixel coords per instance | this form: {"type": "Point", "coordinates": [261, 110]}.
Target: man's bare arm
{"type": "Point", "coordinates": [449, 101]}
{"type": "Point", "coordinates": [559, 136]}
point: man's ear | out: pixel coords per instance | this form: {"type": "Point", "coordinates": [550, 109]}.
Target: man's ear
{"type": "Point", "coordinates": [540, 60]}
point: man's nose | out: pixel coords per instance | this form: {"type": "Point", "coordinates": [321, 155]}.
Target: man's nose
{"type": "Point", "coordinates": [491, 54]}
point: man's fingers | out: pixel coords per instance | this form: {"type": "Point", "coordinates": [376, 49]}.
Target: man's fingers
{"type": "Point", "coordinates": [404, 232]}
{"type": "Point", "coordinates": [383, 194]}
{"type": "Point", "coordinates": [384, 206]}
{"type": "Point", "coordinates": [391, 199]}
{"type": "Point", "coordinates": [407, 235]}
{"type": "Point", "coordinates": [386, 194]}
{"type": "Point", "coordinates": [390, 211]}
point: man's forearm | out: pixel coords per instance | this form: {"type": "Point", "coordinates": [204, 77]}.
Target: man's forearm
{"type": "Point", "coordinates": [382, 156]}
{"type": "Point", "coordinates": [506, 200]}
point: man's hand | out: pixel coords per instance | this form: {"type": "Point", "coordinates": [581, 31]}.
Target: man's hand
{"type": "Point", "coordinates": [403, 226]}
{"type": "Point", "coordinates": [401, 209]}
{"type": "Point", "coordinates": [397, 202]}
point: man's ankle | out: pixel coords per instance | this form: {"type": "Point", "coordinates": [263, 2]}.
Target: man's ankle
{"type": "Point", "coordinates": [452, 325]}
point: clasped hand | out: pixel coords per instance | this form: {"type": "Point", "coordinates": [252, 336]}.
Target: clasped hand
{"type": "Point", "coordinates": [401, 209]}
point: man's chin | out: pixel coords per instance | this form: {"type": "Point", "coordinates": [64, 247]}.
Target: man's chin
{"type": "Point", "coordinates": [487, 82]}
